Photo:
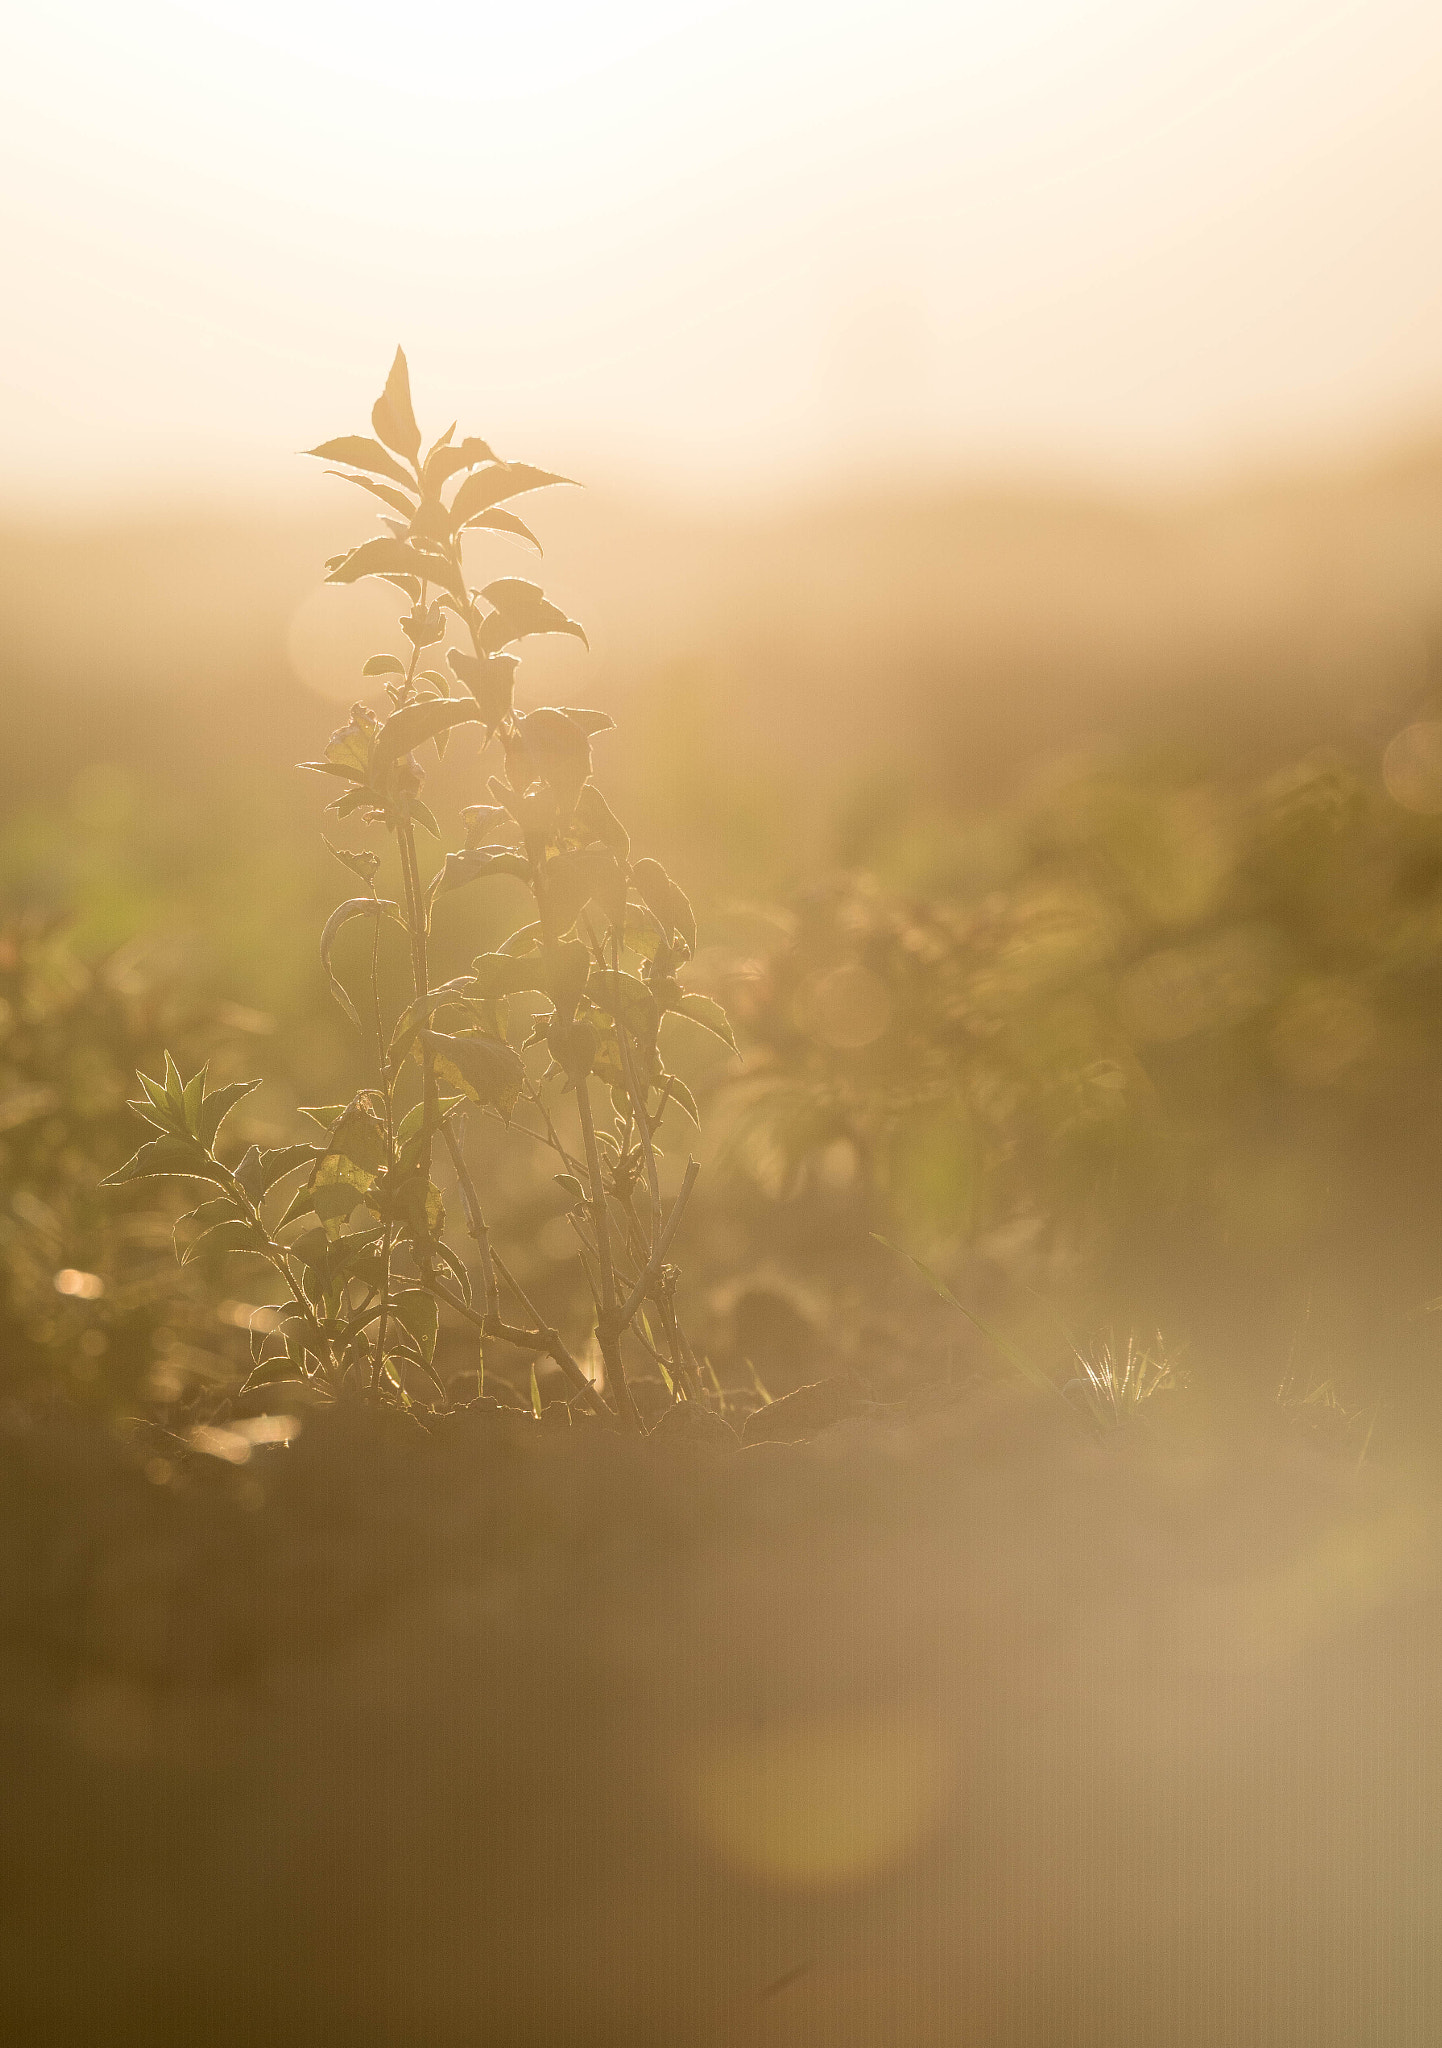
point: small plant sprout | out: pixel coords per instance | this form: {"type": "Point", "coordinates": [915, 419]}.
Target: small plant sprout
{"type": "Point", "coordinates": [557, 1030]}
{"type": "Point", "coordinates": [1113, 1380]}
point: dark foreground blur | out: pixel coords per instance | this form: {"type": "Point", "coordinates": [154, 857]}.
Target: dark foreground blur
{"type": "Point", "coordinates": [954, 1725]}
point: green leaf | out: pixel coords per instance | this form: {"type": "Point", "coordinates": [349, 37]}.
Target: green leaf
{"type": "Point", "coordinates": [485, 1070]}
{"type": "Point", "coordinates": [571, 1188]}
{"type": "Point", "coordinates": [167, 1158]}
{"type": "Point", "coordinates": [282, 1160]}
{"type": "Point", "coordinates": [324, 1115]}
{"type": "Point", "coordinates": [493, 486]}
{"type": "Point", "coordinates": [392, 415]}
{"type": "Point", "coordinates": [358, 451]}
{"type": "Point", "coordinates": [355, 906]}
{"type": "Point", "coordinates": [416, 1311]}
{"type": "Point", "coordinates": [191, 1097]}
{"type": "Point", "coordinates": [708, 1013]}
{"type": "Point", "coordinates": [384, 665]}
{"type": "Point", "coordinates": [521, 609]}
{"type": "Point", "coordinates": [218, 1104]}
{"type": "Point", "coordinates": [346, 1172]}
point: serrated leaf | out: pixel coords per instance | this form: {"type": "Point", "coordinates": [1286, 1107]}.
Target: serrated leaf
{"type": "Point", "coordinates": [358, 451]}
{"type": "Point", "coordinates": [363, 861]}
{"type": "Point", "coordinates": [485, 1070]}
{"type": "Point", "coordinates": [495, 485]}
{"type": "Point", "coordinates": [392, 415]}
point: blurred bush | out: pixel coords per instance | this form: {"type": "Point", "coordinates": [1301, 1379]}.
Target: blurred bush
{"type": "Point", "coordinates": [1162, 1046]}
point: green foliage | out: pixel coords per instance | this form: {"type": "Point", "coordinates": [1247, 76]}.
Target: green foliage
{"type": "Point", "coordinates": [574, 997]}
{"type": "Point", "coordinates": [90, 1300]}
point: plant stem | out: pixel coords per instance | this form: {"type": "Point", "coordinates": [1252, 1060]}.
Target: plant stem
{"type": "Point", "coordinates": [608, 1327]}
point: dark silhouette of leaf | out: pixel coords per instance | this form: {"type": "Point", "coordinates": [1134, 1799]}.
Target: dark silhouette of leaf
{"type": "Point", "coordinates": [392, 417]}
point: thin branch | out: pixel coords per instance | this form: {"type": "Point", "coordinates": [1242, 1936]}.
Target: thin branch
{"type": "Point", "coordinates": [663, 1245]}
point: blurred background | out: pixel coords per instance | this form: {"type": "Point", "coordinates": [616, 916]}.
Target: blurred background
{"type": "Point", "coordinates": [1011, 549]}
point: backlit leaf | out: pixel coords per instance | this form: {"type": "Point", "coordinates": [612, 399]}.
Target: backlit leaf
{"type": "Point", "coordinates": [359, 452]}
{"type": "Point", "coordinates": [496, 484]}
{"type": "Point", "coordinates": [392, 416]}
{"type": "Point", "coordinates": [485, 1070]}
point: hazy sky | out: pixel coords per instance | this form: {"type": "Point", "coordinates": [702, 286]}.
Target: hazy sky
{"type": "Point", "coordinates": [733, 243]}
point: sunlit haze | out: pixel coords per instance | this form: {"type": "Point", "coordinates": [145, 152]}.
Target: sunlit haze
{"type": "Point", "coordinates": [719, 245]}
